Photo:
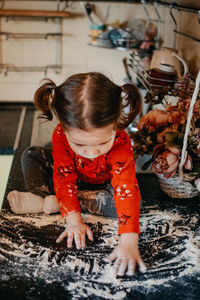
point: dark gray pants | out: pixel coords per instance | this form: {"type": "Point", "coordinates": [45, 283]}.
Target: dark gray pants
{"type": "Point", "coordinates": [37, 167]}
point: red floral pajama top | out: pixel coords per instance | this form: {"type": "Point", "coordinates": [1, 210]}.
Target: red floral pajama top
{"type": "Point", "coordinates": [117, 166]}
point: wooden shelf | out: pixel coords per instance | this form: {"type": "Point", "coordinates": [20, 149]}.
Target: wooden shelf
{"type": "Point", "coordinates": [34, 13]}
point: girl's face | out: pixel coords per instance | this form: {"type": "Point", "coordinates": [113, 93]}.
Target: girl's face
{"type": "Point", "coordinates": [91, 143]}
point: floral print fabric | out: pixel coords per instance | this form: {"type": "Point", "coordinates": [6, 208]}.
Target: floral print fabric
{"type": "Point", "coordinates": [117, 166]}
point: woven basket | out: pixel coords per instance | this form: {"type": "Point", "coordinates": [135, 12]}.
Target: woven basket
{"type": "Point", "coordinates": [176, 189]}
{"type": "Point", "coordinates": [177, 186]}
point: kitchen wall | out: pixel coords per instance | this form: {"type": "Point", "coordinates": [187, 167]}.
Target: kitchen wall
{"type": "Point", "coordinates": [76, 54]}
{"type": "Point", "coordinates": [189, 49]}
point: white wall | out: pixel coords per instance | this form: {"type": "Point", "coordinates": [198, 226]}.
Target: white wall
{"type": "Point", "coordinates": [77, 55]}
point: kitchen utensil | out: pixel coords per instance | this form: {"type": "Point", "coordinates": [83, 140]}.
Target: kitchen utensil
{"type": "Point", "coordinates": [88, 10]}
{"type": "Point", "coordinates": [168, 56]}
{"type": "Point", "coordinates": [164, 76]}
{"type": "Point", "coordinates": [128, 78]}
{"type": "Point", "coordinates": [95, 31]}
{"type": "Point", "coordinates": [137, 28]}
{"type": "Point", "coordinates": [103, 40]}
{"type": "Point", "coordinates": [122, 38]}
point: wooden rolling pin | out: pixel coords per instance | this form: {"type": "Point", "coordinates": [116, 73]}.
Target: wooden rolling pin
{"type": "Point", "coordinates": [34, 13]}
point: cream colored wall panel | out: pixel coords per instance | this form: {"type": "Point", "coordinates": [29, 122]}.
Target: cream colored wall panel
{"type": "Point", "coordinates": [10, 78]}
{"type": "Point", "coordinates": [129, 11]}
{"type": "Point", "coordinates": [13, 53]}
{"type": "Point", "coordinates": [75, 27]}
{"type": "Point", "coordinates": [27, 26]}
{"type": "Point", "coordinates": [32, 78]}
{"type": "Point", "coordinates": [101, 11]}
{"type": "Point", "coordinates": [30, 5]}
{"type": "Point", "coordinates": [39, 53]}
{"type": "Point", "coordinates": [75, 54]}
{"type": "Point", "coordinates": [17, 91]}
{"type": "Point", "coordinates": [188, 48]}
{"type": "Point", "coordinates": [168, 34]}
{"type": "Point", "coordinates": [107, 61]}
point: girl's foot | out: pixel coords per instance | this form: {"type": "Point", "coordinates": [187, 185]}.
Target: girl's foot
{"type": "Point", "coordinates": [50, 205]}
{"type": "Point", "coordinates": [25, 203]}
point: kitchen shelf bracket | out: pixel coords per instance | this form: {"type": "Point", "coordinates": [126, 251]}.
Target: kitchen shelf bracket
{"type": "Point", "coordinates": [187, 35]}
{"type": "Point", "coordinates": [6, 68]}
{"type": "Point", "coordinates": [175, 23]}
{"type": "Point", "coordinates": [159, 21]}
{"type": "Point", "coordinates": [179, 32]}
{"type": "Point", "coordinates": [45, 36]}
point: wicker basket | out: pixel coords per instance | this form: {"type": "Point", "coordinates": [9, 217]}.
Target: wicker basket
{"type": "Point", "coordinates": [177, 186]}
{"type": "Point", "coordinates": [176, 189]}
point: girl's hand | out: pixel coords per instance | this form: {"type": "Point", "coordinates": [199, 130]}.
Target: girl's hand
{"type": "Point", "coordinates": [126, 255]}
{"type": "Point", "coordinates": [75, 230]}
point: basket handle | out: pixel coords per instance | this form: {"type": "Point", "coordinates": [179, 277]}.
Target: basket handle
{"type": "Point", "coordinates": [187, 129]}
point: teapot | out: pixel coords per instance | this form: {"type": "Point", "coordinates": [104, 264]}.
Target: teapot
{"type": "Point", "coordinates": [167, 56]}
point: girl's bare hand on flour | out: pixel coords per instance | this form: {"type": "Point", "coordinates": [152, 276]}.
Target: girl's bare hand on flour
{"type": "Point", "coordinates": [75, 230]}
{"type": "Point", "coordinates": [126, 255]}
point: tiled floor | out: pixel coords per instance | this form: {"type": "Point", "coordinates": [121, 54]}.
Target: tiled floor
{"type": "Point", "coordinates": [5, 163]}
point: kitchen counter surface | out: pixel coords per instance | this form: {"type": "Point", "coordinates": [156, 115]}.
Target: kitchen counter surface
{"type": "Point", "coordinates": [33, 266]}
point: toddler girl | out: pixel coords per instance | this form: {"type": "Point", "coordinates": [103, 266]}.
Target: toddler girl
{"type": "Point", "coordinates": [89, 146]}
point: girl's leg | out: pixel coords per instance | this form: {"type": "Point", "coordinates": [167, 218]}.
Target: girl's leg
{"type": "Point", "coordinates": [97, 199]}
{"type": "Point", "coordinates": [25, 202]}
{"type": "Point", "coordinates": [37, 167]}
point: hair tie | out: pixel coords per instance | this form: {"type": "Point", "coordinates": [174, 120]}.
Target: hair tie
{"type": "Point", "coordinates": [52, 96]}
{"type": "Point", "coordinates": [53, 92]}
{"type": "Point", "coordinates": [122, 88]}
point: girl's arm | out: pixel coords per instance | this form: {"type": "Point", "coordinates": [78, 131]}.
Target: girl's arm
{"type": "Point", "coordinates": [64, 174]}
{"type": "Point", "coordinates": [126, 255]}
{"type": "Point", "coordinates": [127, 201]}
{"type": "Point", "coordinates": [125, 186]}
{"type": "Point", "coordinates": [75, 230]}
{"type": "Point", "coordinates": [65, 187]}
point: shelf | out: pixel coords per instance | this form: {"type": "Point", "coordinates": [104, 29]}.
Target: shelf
{"type": "Point", "coordinates": [34, 13]}
{"type": "Point", "coordinates": [56, 15]}
{"type": "Point", "coordinates": [29, 35]}
{"type": "Point", "coordinates": [6, 68]}
{"type": "Point", "coordinates": [112, 48]}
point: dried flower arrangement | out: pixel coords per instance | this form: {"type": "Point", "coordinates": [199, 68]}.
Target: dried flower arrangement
{"type": "Point", "coordinates": [161, 133]}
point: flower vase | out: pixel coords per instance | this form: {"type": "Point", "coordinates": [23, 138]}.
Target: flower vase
{"type": "Point", "coordinates": [176, 189]}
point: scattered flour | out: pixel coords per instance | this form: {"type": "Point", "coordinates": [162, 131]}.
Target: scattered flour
{"type": "Point", "coordinates": [168, 245]}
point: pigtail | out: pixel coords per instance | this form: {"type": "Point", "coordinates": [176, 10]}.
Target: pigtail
{"type": "Point", "coordinates": [44, 97]}
{"type": "Point", "coordinates": [130, 97]}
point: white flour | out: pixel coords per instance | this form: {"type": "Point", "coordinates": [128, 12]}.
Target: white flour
{"type": "Point", "coordinates": [167, 243]}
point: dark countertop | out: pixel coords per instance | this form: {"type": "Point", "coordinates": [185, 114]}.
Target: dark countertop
{"type": "Point", "coordinates": [33, 266]}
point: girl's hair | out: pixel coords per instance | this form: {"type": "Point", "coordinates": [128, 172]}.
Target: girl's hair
{"type": "Point", "coordinates": [88, 100]}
